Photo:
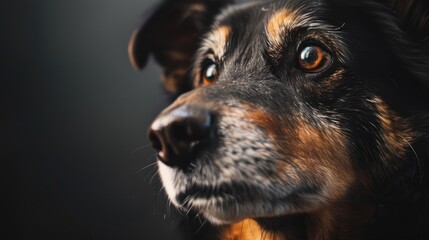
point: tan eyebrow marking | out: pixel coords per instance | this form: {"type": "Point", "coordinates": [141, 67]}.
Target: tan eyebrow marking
{"type": "Point", "coordinates": [277, 24]}
{"type": "Point", "coordinates": [217, 40]}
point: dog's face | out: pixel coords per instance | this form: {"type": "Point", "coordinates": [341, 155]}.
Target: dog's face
{"type": "Point", "coordinates": [293, 108]}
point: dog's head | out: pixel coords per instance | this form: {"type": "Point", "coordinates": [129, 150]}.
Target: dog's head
{"type": "Point", "coordinates": [295, 105]}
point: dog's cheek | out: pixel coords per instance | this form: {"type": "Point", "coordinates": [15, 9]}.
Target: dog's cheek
{"type": "Point", "coordinates": [395, 134]}
{"type": "Point", "coordinates": [315, 155]}
{"type": "Point", "coordinates": [322, 155]}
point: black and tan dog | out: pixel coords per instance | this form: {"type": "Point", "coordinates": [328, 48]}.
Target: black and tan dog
{"type": "Point", "coordinates": [304, 119]}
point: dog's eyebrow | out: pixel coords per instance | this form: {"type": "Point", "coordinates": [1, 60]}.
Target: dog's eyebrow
{"type": "Point", "coordinates": [215, 45]}
{"type": "Point", "coordinates": [217, 40]}
{"type": "Point", "coordinates": [286, 20]}
{"type": "Point", "coordinates": [278, 23]}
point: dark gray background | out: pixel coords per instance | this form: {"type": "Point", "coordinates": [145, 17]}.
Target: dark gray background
{"type": "Point", "coordinates": [77, 115]}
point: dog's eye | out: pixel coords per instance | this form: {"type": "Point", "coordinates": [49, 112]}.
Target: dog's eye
{"type": "Point", "coordinates": [209, 74]}
{"type": "Point", "coordinates": [313, 59]}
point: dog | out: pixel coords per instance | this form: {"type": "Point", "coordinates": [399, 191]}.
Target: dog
{"type": "Point", "coordinates": [293, 119]}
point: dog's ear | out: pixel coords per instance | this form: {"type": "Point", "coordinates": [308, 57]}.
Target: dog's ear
{"type": "Point", "coordinates": [414, 15]}
{"type": "Point", "coordinates": [172, 34]}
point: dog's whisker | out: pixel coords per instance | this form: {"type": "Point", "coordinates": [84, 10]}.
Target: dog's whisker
{"type": "Point", "coordinates": [188, 212]}
{"type": "Point", "coordinates": [140, 148]}
{"type": "Point", "coordinates": [146, 167]}
{"type": "Point", "coordinates": [199, 229]}
{"type": "Point", "coordinates": [197, 215]}
{"type": "Point", "coordinates": [148, 173]}
{"type": "Point", "coordinates": [153, 177]}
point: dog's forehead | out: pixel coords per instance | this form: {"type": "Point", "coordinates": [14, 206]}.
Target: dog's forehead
{"type": "Point", "coordinates": [259, 29]}
{"type": "Point", "coordinates": [265, 21]}
{"type": "Point", "coordinates": [251, 14]}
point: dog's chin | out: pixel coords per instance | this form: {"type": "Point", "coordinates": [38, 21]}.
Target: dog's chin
{"type": "Point", "coordinates": [225, 216]}
{"type": "Point", "coordinates": [224, 208]}
{"type": "Point", "coordinates": [220, 214]}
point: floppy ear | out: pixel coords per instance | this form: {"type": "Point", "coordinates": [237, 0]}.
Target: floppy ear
{"type": "Point", "coordinates": [172, 34]}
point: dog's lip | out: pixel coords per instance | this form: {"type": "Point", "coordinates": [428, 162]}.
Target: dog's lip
{"type": "Point", "coordinates": [226, 204]}
{"type": "Point", "coordinates": [239, 192]}
{"type": "Point", "coordinates": [236, 191]}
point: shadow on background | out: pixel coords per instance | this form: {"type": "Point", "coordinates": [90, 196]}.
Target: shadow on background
{"type": "Point", "coordinates": [78, 119]}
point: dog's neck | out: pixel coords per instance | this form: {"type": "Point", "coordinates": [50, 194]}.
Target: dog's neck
{"type": "Point", "coordinates": [333, 222]}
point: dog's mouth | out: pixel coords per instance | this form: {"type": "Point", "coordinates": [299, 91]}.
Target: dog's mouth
{"type": "Point", "coordinates": [232, 191]}
{"type": "Point", "coordinates": [221, 204]}
{"type": "Point", "coordinates": [225, 203]}
{"type": "Point", "coordinates": [224, 208]}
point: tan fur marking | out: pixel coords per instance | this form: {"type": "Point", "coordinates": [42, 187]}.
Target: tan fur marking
{"type": "Point", "coordinates": [319, 152]}
{"type": "Point", "coordinates": [322, 152]}
{"type": "Point", "coordinates": [247, 229]}
{"type": "Point", "coordinates": [277, 23]}
{"type": "Point", "coordinates": [396, 134]}
{"type": "Point", "coordinates": [218, 40]}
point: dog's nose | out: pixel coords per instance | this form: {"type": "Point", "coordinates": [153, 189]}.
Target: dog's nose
{"type": "Point", "coordinates": [177, 134]}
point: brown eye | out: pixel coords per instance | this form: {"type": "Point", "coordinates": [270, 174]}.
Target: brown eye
{"type": "Point", "coordinates": [210, 74]}
{"type": "Point", "coordinates": [313, 59]}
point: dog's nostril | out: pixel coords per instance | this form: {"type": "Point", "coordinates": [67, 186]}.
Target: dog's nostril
{"type": "Point", "coordinates": [156, 143]}
{"type": "Point", "coordinates": [175, 134]}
